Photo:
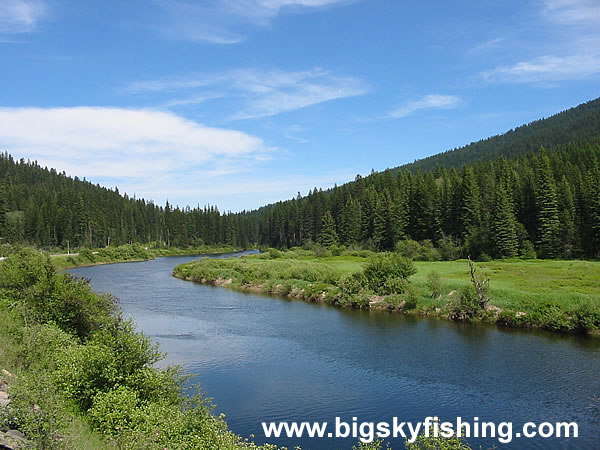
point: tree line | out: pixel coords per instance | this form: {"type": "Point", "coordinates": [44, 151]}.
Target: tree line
{"type": "Point", "coordinates": [49, 209]}
{"type": "Point", "coordinates": [544, 204]}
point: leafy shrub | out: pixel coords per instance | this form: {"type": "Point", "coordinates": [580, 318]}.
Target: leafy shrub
{"type": "Point", "coordinates": [274, 253]}
{"type": "Point", "coordinates": [337, 250]}
{"type": "Point", "coordinates": [411, 298]}
{"type": "Point", "coordinates": [116, 411]}
{"type": "Point", "coordinates": [385, 266]}
{"type": "Point", "coordinates": [84, 371]}
{"type": "Point", "coordinates": [466, 305]}
{"type": "Point", "coordinates": [418, 251]}
{"type": "Point", "coordinates": [434, 283]}
{"type": "Point", "coordinates": [395, 285]}
{"type": "Point", "coordinates": [449, 249]}
{"type": "Point", "coordinates": [46, 296]}
{"type": "Point", "coordinates": [409, 248]}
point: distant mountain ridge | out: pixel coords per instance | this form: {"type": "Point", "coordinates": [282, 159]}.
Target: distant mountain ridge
{"type": "Point", "coordinates": [574, 125]}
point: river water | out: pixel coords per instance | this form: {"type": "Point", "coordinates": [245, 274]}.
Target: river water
{"type": "Point", "coordinates": [271, 359]}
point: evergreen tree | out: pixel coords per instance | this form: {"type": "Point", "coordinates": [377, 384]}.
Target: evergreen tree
{"type": "Point", "coordinates": [566, 205]}
{"type": "Point", "coordinates": [383, 227]}
{"type": "Point", "coordinates": [470, 207]}
{"type": "Point", "coordinates": [504, 233]}
{"type": "Point", "coordinates": [327, 235]}
{"type": "Point", "coordinates": [547, 209]}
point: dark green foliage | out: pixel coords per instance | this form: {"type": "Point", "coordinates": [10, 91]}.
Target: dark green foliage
{"type": "Point", "coordinates": [327, 236]}
{"type": "Point", "coordinates": [547, 207]}
{"type": "Point", "coordinates": [504, 233]}
{"type": "Point", "coordinates": [574, 125]}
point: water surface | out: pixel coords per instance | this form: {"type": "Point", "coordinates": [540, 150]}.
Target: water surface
{"type": "Point", "coordinates": [270, 359]}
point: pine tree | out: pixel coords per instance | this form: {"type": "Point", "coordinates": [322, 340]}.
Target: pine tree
{"type": "Point", "coordinates": [566, 206]}
{"type": "Point", "coordinates": [504, 233]}
{"type": "Point", "coordinates": [593, 206]}
{"type": "Point", "coordinates": [350, 222]}
{"type": "Point", "coordinates": [470, 206]}
{"type": "Point", "coordinates": [383, 232]}
{"type": "Point", "coordinates": [327, 235]}
{"type": "Point", "coordinates": [547, 209]}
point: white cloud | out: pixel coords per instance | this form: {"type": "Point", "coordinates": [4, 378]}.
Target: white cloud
{"type": "Point", "coordinates": [213, 21]}
{"type": "Point", "coordinates": [263, 93]}
{"type": "Point", "coordinates": [18, 16]}
{"type": "Point", "coordinates": [547, 69]}
{"type": "Point", "coordinates": [125, 145]}
{"type": "Point", "coordinates": [570, 50]}
{"type": "Point", "coordinates": [431, 101]}
{"type": "Point", "coordinates": [573, 11]}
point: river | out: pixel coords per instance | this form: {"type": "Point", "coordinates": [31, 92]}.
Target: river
{"type": "Point", "coordinates": [271, 359]}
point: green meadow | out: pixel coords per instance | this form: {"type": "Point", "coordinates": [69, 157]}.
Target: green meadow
{"type": "Point", "coordinates": [552, 294]}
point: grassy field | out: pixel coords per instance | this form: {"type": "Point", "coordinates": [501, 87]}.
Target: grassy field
{"type": "Point", "coordinates": [557, 295]}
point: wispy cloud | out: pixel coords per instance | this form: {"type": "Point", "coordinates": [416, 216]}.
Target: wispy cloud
{"type": "Point", "coordinates": [570, 50]}
{"type": "Point", "coordinates": [20, 16]}
{"type": "Point", "coordinates": [572, 11]}
{"type": "Point", "coordinates": [547, 69]}
{"type": "Point", "coordinates": [263, 93]}
{"type": "Point", "coordinates": [486, 46]}
{"type": "Point", "coordinates": [225, 22]}
{"type": "Point", "coordinates": [431, 101]}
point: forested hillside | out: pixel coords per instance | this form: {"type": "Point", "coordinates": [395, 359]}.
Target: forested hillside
{"type": "Point", "coordinates": [47, 208]}
{"type": "Point", "coordinates": [543, 203]}
{"type": "Point", "coordinates": [573, 125]}
{"type": "Point", "coordinates": [549, 201]}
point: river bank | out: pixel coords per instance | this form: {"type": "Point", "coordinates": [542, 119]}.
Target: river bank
{"type": "Point", "coordinates": [131, 253]}
{"type": "Point", "coordinates": [75, 374]}
{"type": "Point", "coordinates": [561, 296]}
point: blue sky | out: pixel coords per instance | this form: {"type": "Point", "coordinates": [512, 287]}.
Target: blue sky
{"type": "Point", "coordinates": [244, 102]}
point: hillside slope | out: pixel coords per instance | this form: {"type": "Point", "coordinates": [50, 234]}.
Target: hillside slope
{"type": "Point", "coordinates": [578, 124]}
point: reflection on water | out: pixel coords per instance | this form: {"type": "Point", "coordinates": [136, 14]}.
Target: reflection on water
{"type": "Point", "coordinates": [264, 359]}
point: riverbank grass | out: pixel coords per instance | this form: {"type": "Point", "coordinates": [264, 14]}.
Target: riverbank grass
{"type": "Point", "coordinates": [556, 295]}
{"type": "Point", "coordinates": [130, 253]}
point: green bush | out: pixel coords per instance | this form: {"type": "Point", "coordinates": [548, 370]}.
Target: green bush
{"type": "Point", "coordinates": [434, 283]}
{"type": "Point", "coordinates": [411, 298]}
{"type": "Point", "coordinates": [386, 266]}
{"type": "Point", "coordinates": [466, 306]}
{"type": "Point", "coordinates": [116, 411]}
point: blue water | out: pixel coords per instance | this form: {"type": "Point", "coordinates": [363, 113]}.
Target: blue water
{"type": "Point", "coordinates": [270, 359]}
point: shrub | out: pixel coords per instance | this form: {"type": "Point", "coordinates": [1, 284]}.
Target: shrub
{"type": "Point", "coordinates": [411, 298]}
{"type": "Point", "coordinates": [434, 283]}
{"type": "Point", "coordinates": [116, 411]}
{"type": "Point", "coordinates": [337, 250]}
{"type": "Point", "coordinates": [450, 250]}
{"type": "Point", "coordinates": [395, 285]}
{"type": "Point", "coordinates": [385, 266]}
{"type": "Point", "coordinates": [409, 248]}
{"type": "Point", "coordinates": [84, 371]}
{"type": "Point", "coordinates": [274, 253]}
{"type": "Point", "coordinates": [466, 305]}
